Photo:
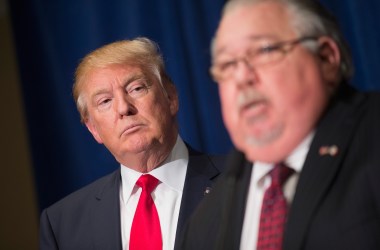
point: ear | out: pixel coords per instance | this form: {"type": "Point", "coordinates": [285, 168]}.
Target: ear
{"type": "Point", "coordinates": [330, 58]}
{"type": "Point", "coordinates": [173, 98]}
{"type": "Point", "coordinates": [93, 130]}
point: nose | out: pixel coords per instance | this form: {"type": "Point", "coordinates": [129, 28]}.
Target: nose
{"type": "Point", "coordinates": [245, 73]}
{"type": "Point", "coordinates": [123, 105]}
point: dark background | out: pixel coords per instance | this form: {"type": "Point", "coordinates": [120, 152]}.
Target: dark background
{"type": "Point", "coordinates": [49, 37]}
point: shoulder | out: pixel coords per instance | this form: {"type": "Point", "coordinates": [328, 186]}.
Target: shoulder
{"type": "Point", "coordinates": [87, 194]}
{"type": "Point", "coordinates": [367, 107]}
{"type": "Point", "coordinates": [353, 97]}
{"type": "Point", "coordinates": [66, 224]}
{"type": "Point", "coordinates": [373, 100]}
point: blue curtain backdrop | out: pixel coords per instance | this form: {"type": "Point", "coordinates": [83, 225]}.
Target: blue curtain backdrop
{"type": "Point", "coordinates": [52, 36]}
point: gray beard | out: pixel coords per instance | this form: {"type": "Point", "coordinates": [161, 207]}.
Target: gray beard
{"type": "Point", "coordinates": [265, 138]}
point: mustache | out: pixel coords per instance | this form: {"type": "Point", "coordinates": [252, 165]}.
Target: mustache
{"type": "Point", "coordinates": [249, 97]}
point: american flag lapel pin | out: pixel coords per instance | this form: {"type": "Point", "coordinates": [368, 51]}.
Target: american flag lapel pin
{"type": "Point", "coordinates": [329, 150]}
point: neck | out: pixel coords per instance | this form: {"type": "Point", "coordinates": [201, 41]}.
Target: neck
{"type": "Point", "coordinates": [149, 159]}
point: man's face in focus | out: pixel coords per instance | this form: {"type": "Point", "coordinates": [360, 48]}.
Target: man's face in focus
{"type": "Point", "coordinates": [128, 110]}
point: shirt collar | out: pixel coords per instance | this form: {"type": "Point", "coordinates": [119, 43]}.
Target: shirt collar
{"type": "Point", "coordinates": [171, 172]}
{"type": "Point", "coordinates": [295, 160]}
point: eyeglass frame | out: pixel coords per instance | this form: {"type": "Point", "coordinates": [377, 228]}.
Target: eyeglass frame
{"type": "Point", "coordinates": [279, 46]}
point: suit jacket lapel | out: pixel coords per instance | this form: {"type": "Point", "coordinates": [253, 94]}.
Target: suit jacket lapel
{"type": "Point", "coordinates": [320, 168]}
{"type": "Point", "coordinates": [200, 172]}
{"type": "Point", "coordinates": [106, 215]}
{"type": "Point", "coordinates": [106, 208]}
{"type": "Point", "coordinates": [235, 190]}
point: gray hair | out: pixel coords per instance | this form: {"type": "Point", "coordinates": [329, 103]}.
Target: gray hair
{"type": "Point", "coordinates": [140, 52]}
{"type": "Point", "coordinates": [309, 18]}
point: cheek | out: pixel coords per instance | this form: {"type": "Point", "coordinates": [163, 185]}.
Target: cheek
{"type": "Point", "coordinates": [105, 129]}
{"type": "Point", "coordinates": [105, 121]}
{"type": "Point", "coordinates": [157, 112]}
{"type": "Point", "coordinates": [299, 98]}
{"type": "Point", "coordinates": [230, 112]}
{"type": "Point", "coordinates": [292, 87]}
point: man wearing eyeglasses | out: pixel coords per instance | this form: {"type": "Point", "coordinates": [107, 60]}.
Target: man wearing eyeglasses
{"type": "Point", "coordinates": [306, 171]}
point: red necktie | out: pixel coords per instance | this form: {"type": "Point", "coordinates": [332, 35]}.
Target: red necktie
{"type": "Point", "coordinates": [273, 211]}
{"type": "Point", "coordinates": [146, 230]}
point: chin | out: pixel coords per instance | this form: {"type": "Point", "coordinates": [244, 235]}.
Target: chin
{"type": "Point", "coordinates": [264, 154]}
{"type": "Point", "coordinates": [264, 148]}
{"type": "Point", "coordinates": [264, 138]}
{"type": "Point", "coordinates": [136, 146]}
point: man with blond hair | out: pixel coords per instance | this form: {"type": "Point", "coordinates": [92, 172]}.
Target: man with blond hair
{"type": "Point", "coordinates": [129, 104]}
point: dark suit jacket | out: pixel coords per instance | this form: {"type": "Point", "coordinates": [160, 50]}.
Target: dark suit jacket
{"type": "Point", "coordinates": [337, 199]}
{"type": "Point", "coordinates": [90, 217]}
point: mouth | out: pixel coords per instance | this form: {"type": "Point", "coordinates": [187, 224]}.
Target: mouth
{"type": "Point", "coordinates": [131, 129]}
{"type": "Point", "coordinates": [254, 111]}
{"type": "Point", "coordinates": [252, 105]}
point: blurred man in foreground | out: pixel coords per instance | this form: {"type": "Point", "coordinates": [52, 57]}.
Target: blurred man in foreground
{"type": "Point", "coordinates": [307, 167]}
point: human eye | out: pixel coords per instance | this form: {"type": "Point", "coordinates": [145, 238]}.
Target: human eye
{"type": "Point", "coordinates": [103, 103]}
{"type": "Point", "coordinates": [137, 89]}
{"type": "Point", "coordinates": [268, 49]}
{"type": "Point", "coordinates": [225, 67]}
{"type": "Point", "coordinates": [265, 54]}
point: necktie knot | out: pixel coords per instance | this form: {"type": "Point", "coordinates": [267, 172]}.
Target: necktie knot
{"type": "Point", "coordinates": [280, 173]}
{"type": "Point", "coordinates": [147, 182]}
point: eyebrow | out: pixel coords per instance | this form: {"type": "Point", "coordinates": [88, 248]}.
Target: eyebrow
{"type": "Point", "coordinates": [133, 78]}
{"type": "Point", "coordinates": [250, 38]}
{"type": "Point", "coordinates": [127, 81]}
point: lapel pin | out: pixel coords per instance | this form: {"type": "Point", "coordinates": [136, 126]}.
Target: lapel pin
{"type": "Point", "coordinates": [329, 150]}
{"type": "Point", "coordinates": [207, 190]}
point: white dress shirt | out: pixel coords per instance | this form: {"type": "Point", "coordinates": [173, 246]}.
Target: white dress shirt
{"type": "Point", "coordinates": [167, 196]}
{"type": "Point", "coordinates": [260, 181]}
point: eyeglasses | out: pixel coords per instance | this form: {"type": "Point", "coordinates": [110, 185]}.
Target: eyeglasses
{"type": "Point", "coordinates": [257, 56]}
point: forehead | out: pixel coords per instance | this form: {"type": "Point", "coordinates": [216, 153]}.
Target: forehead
{"type": "Point", "coordinates": [112, 73]}
{"type": "Point", "coordinates": [111, 76]}
{"type": "Point", "coordinates": [261, 20]}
